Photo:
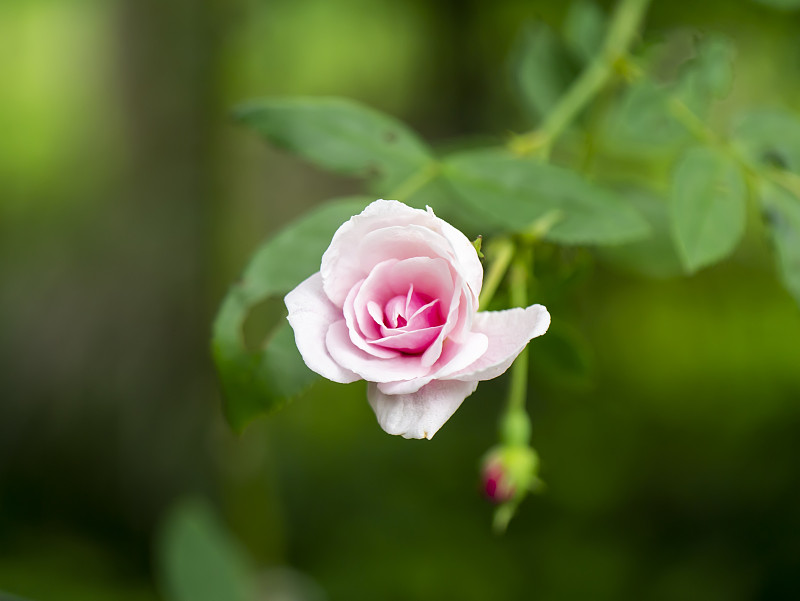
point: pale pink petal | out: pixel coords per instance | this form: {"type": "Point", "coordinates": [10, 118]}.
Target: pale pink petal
{"type": "Point", "coordinates": [412, 341]}
{"type": "Point", "coordinates": [310, 315]}
{"type": "Point", "coordinates": [509, 332]}
{"type": "Point", "coordinates": [466, 257]}
{"type": "Point", "coordinates": [455, 357]}
{"type": "Point", "coordinates": [374, 369]}
{"type": "Point", "coordinates": [457, 322]}
{"type": "Point", "coordinates": [361, 328]}
{"type": "Point", "coordinates": [421, 414]}
{"type": "Point", "coordinates": [354, 251]}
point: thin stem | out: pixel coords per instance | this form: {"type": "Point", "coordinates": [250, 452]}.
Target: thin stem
{"type": "Point", "coordinates": [501, 252]}
{"type": "Point", "coordinates": [415, 181]}
{"type": "Point", "coordinates": [518, 288]}
{"type": "Point", "coordinates": [624, 24]}
{"type": "Point", "coordinates": [703, 133]}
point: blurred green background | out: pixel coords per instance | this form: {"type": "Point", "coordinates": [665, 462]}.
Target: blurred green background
{"type": "Point", "coordinates": [128, 203]}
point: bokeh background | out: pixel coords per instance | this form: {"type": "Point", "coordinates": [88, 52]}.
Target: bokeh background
{"type": "Point", "coordinates": [669, 434]}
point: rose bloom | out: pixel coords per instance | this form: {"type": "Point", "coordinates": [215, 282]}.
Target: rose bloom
{"type": "Point", "coordinates": [395, 303]}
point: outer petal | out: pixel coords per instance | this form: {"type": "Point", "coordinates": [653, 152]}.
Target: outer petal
{"type": "Point", "coordinates": [466, 256]}
{"type": "Point", "coordinates": [509, 332]}
{"type": "Point", "coordinates": [341, 261]}
{"type": "Point", "coordinates": [421, 414]}
{"type": "Point", "coordinates": [311, 315]}
{"type": "Point", "coordinates": [389, 229]}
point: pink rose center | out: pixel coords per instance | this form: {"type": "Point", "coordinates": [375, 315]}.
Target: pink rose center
{"type": "Point", "coordinates": [407, 323]}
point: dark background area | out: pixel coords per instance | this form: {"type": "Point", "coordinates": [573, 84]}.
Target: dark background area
{"type": "Point", "coordinates": [128, 203]}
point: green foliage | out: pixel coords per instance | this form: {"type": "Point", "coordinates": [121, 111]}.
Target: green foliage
{"type": "Point", "coordinates": [770, 137]}
{"type": "Point", "coordinates": [708, 76]}
{"type": "Point", "coordinates": [584, 30]}
{"type": "Point", "coordinates": [652, 115]}
{"type": "Point", "coordinates": [707, 207]}
{"type": "Point", "coordinates": [337, 134]}
{"type": "Point", "coordinates": [197, 559]}
{"type": "Point", "coordinates": [542, 69]}
{"type": "Point", "coordinates": [656, 255]}
{"type": "Point", "coordinates": [255, 382]}
{"type": "Point", "coordinates": [512, 193]}
{"type": "Point", "coordinates": [782, 209]}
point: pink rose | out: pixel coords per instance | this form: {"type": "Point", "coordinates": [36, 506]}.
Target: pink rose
{"type": "Point", "coordinates": [395, 303]}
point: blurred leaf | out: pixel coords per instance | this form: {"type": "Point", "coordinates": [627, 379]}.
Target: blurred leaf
{"type": "Point", "coordinates": [339, 135]}
{"type": "Point", "coordinates": [541, 69]}
{"type": "Point", "coordinates": [262, 381]}
{"type": "Point", "coordinates": [198, 561]}
{"type": "Point", "coordinates": [656, 255]}
{"type": "Point", "coordinates": [512, 193]}
{"type": "Point", "coordinates": [708, 76]}
{"type": "Point", "coordinates": [641, 120]}
{"type": "Point", "coordinates": [786, 5]}
{"type": "Point", "coordinates": [584, 30]}
{"type": "Point", "coordinates": [782, 209]}
{"type": "Point", "coordinates": [707, 207]}
{"type": "Point", "coordinates": [770, 137]}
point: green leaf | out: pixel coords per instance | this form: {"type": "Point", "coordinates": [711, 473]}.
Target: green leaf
{"type": "Point", "coordinates": [708, 76]}
{"type": "Point", "coordinates": [707, 207]}
{"type": "Point", "coordinates": [641, 121]}
{"type": "Point", "coordinates": [655, 256]}
{"type": "Point", "coordinates": [541, 69]}
{"type": "Point", "coordinates": [584, 30]}
{"type": "Point", "coordinates": [770, 137]}
{"type": "Point", "coordinates": [782, 209]}
{"type": "Point", "coordinates": [197, 559]}
{"type": "Point", "coordinates": [256, 382]}
{"type": "Point", "coordinates": [511, 193]}
{"type": "Point", "coordinates": [339, 135]}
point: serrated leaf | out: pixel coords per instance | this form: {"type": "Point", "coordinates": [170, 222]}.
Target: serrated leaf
{"type": "Point", "coordinates": [541, 68]}
{"type": "Point", "coordinates": [782, 209]}
{"type": "Point", "coordinates": [339, 135]}
{"type": "Point", "coordinates": [256, 382]}
{"type": "Point", "coordinates": [511, 193]}
{"type": "Point", "coordinates": [584, 30]}
{"type": "Point", "coordinates": [707, 207]}
{"type": "Point", "coordinates": [197, 559]}
{"type": "Point", "coordinates": [770, 137]}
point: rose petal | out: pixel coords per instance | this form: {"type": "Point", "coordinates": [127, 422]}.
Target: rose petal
{"type": "Point", "coordinates": [347, 259]}
{"type": "Point", "coordinates": [455, 357]}
{"type": "Point", "coordinates": [456, 323]}
{"type": "Point", "coordinates": [361, 328]}
{"type": "Point", "coordinates": [374, 236]}
{"type": "Point", "coordinates": [310, 315]}
{"type": "Point", "coordinates": [412, 341]}
{"type": "Point", "coordinates": [509, 332]}
{"type": "Point", "coordinates": [421, 414]}
{"type": "Point", "coordinates": [374, 369]}
{"type": "Point", "coordinates": [466, 257]}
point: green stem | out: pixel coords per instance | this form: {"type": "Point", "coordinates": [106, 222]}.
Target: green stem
{"type": "Point", "coordinates": [415, 181]}
{"type": "Point", "coordinates": [501, 252]}
{"type": "Point", "coordinates": [518, 288]}
{"type": "Point", "coordinates": [703, 133]}
{"type": "Point", "coordinates": [624, 24]}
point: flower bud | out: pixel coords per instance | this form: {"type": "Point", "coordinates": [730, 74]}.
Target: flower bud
{"type": "Point", "coordinates": [508, 472]}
